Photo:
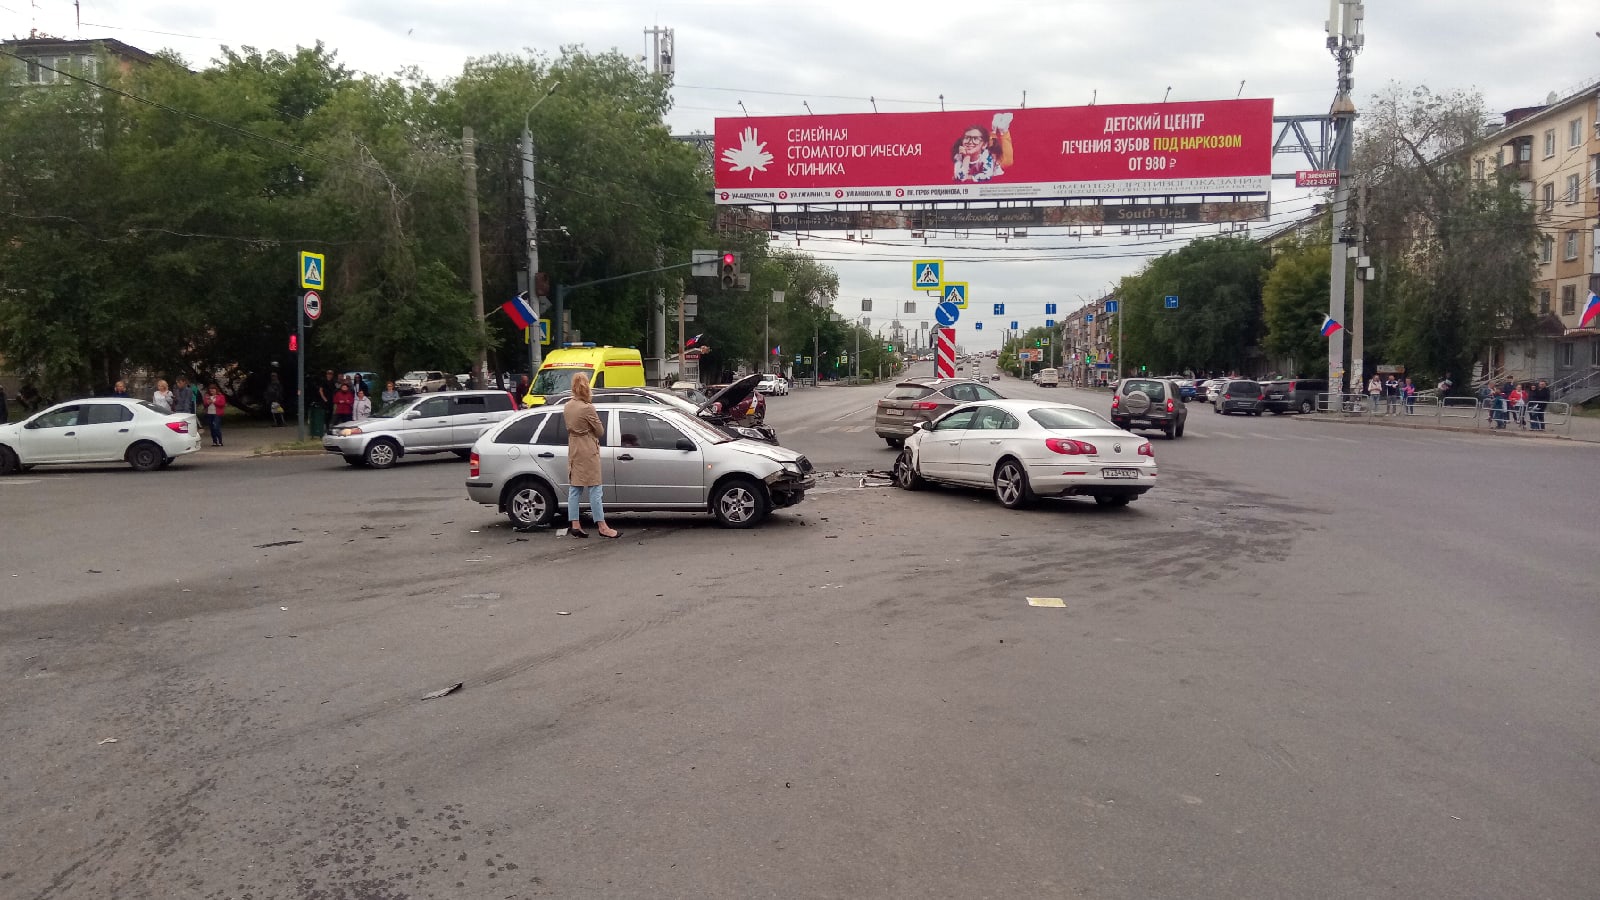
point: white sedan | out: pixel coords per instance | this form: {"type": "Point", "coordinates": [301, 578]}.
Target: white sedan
{"type": "Point", "coordinates": [1027, 449]}
{"type": "Point", "coordinates": [773, 384]}
{"type": "Point", "coordinates": [102, 429]}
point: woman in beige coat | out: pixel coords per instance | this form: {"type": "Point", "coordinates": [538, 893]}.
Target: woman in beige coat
{"type": "Point", "coordinates": [584, 434]}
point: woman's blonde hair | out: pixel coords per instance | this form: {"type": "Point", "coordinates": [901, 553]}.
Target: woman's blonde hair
{"type": "Point", "coordinates": [161, 384]}
{"type": "Point", "coordinates": [580, 388]}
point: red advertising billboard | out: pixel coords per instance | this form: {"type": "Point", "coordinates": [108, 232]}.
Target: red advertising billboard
{"type": "Point", "coordinates": [1155, 149]}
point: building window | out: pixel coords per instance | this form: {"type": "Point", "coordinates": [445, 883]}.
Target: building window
{"type": "Point", "coordinates": [1575, 133]}
{"type": "Point", "coordinates": [1477, 169]}
{"type": "Point", "coordinates": [1571, 195]}
{"type": "Point", "coordinates": [1569, 299]}
{"type": "Point", "coordinates": [1550, 143]}
{"type": "Point", "coordinates": [1547, 193]}
{"type": "Point", "coordinates": [1570, 251]}
{"type": "Point", "coordinates": [1547, 249]}
{"type": "Point", "coordinates": [1564, 355]}
{"type": "Point", "coordinates": [1544, 301]}
{"type": "Point", "coordinates": [1525, 150]}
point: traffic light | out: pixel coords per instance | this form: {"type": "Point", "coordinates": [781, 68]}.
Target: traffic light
{"type": "Point", "coordinates": [1038, 342]}
{"type": "Point", "coordinates": [294, 343]}
{"type": "Point", "coordinates": [729, 270]}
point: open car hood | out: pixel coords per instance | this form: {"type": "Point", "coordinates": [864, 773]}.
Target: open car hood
{"type": "Point", "coordinates": [733, 395]}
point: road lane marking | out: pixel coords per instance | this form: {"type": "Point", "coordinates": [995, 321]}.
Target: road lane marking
{"type": "Point", "coordinates": [856, 429]}
{"type": "Point", "coordinates": [1266, 437]}
{"type": "Point", "coordinates": [855, 412]}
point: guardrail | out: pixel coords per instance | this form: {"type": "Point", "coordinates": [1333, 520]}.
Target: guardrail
{"type": "Point", "coordinates": [1454, 412]}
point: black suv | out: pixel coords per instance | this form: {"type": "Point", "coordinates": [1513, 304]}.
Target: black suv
{"type": "Point", "coordinates": [1292, 395]}
{"type": "Point", "coordinates": [1151, 403]}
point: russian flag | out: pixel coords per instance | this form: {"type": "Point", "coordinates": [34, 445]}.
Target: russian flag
{"type": "Point", "coordinates": [1329, 325]}
{"type": "Point", "coordinates": [519, 311]}
{"type": "Point", "coordinates": [1591, 311]}
{"type": "Point", "coordinates": [694, 340]}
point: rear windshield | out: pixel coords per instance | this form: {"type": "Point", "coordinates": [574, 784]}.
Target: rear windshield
{"type": "Point", "coordinates": [907, 392]}
{"type": "Point", "coordinates": [1244, 387]}
{"type": "Point", "coordinates": [1152, 389]}
{"type": "Point", "coordinates": [1058, 417]}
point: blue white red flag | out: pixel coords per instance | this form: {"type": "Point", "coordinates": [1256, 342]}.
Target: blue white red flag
{"type": "Point", "coordinates": [1329, 325]}
{"type": "Point", "coordinates": [694, 340]}
{"type": "Point", "coordinates": [1591, 311]}
{"type": "Point", "coordinates": [519, 311]}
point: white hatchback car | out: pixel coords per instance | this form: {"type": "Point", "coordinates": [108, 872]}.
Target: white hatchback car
{"type": "Point", "coordinates": [1027, 449]}
{"type": "Point", "coordinates": [98, 430]}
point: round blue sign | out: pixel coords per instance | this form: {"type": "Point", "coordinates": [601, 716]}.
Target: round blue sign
{"type": "Point", "coordinates": [947, 314]}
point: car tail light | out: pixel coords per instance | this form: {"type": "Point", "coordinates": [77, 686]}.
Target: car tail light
{"type": "Point", "coordinates": [472, 464]}
{"type": "Point", "coordinates": [1227, 396]}
{"type": "Point", "coordinates": [1169, 404]}
{"type": "Point", "coordinates": [1114, 402]}
{"type": "Point", "coordinates": [1070, 447]}
{"type": "Point", "coordinates": [179, 427]}
{"type": "Point", "coordinates": [1146, 450]}
{"type": "Point", "coordinates": [924, 404]}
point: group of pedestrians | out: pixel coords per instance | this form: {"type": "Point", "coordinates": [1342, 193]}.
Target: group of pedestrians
{"type": "Point", "coordinates": [1522, 404]}
{"type": "Point", "coordinates": [1389, 393]}
{"type": "Point", "coordinates": [183, 397]}
{"type": "Point", "coordinates": [347, 399]}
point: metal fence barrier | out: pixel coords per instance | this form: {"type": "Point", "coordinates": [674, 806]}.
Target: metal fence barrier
{"type": "Point", "coordinates": [1455, 412]}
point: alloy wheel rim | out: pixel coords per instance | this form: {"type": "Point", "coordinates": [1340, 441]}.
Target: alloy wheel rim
{"type": "Point", "coordinates": [738, 505]}
{"type": "Point", "coordinates": [1006, 485]}
{"type": "Point", "coordinates": [528, 504]}
{"type": "Point", "coordinates": [382, 455]}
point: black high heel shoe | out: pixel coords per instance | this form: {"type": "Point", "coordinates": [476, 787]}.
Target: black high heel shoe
{"type": "Point", "coordinates": [573, 532]}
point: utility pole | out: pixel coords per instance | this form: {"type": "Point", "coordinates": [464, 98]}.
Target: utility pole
{"type": "Point", "coordinates": [530, 219]}
{"type": "Point", "coordinates": [662, 64]}
{"type": "Point", "coordinates": [1358, 305]}
{"type": "Point", "coordinates": [1344, 42]}
{"type": "Point", "coordinates": [469, 162]}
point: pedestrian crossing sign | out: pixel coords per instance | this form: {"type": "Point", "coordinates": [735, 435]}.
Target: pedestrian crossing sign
{"type": "Point", "coordinates": [927, 274]}
{"type": "Point", "coordinates": [313, 266]}
{"type": "Point", "coordinates": [956, 292]}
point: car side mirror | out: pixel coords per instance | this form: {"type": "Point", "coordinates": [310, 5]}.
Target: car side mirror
{"type": "Point", "coordinates": [414, 414]}
{"type": "Point", "coordinates": [924, 426]}
{"type": "Point", "coordinates": [684, 444]}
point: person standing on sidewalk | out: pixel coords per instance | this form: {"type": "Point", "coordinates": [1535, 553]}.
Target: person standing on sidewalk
{"type": "Point", "coordinates": [183, 397]}
{"type": "Point", "coordinates": [1518, 400]}
{"type": "Point", "coordinates": [212, 406]}
{"type": "Point", "coordinates": [162, 398]}
{"type": "Point", "coordinates": [1391, 394]}
{"type": "Point", "coordinates": [1409, 391]}
{"type": "Point", "coordinates": [344, 401]}
{"type": "Point", "coordinates": [361, 408]}
{"type": "Point", "coordinates": [273, 395]}
{"type": "Point", "coordinates": [1537, 398]}
{"type": "Point", "coordinates": [1375, 390]}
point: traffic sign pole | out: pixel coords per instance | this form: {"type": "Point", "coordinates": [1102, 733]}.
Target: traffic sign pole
{"type": "Point", "coordinates": [300, 362]}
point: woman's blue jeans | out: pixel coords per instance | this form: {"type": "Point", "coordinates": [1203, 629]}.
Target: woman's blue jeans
{"type": "Point", "coordinates": [596, 507]}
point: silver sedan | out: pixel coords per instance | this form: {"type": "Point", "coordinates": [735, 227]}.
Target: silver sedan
{"type": "Point", "coordinates": [654, 459]}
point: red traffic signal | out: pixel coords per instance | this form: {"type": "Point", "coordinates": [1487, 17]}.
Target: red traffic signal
{"type": "Point", "coordinates": [730, 269]}
{"type": "Point", "coordinates": [294, 343]}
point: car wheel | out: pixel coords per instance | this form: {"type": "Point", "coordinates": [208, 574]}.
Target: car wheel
{"type": "Point", "coordinates": [738, 503]}
{"type": "Point", "coordinates": [1115, 500]}
{"type": "Point", "coordinates": [895, 443]}
{"type": "Point", "coordinates": [905, 474]}
{"type": "Point", "coordinates": [1179, 431]}
{"type": "Point", "coordinates": [1170, 431]}
{"type": "Point", "coordinates": [381, 454]}
{"type": "Point", "coordinates": [144, 457]}
{"type": "Point", "coordinates": [530, 503]}
{"type": "Point", "coordinates": [8, 461]}
{"type": "Point", "coordinates": [1011, 485]}
{"type": "Point", "coordinates": [1306, 407]}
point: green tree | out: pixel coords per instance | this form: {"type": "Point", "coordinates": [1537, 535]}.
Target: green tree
{"type": "Point", "coordinates": [1217, 324]}
{"type": "Point", "coordinates": [1294, 299]}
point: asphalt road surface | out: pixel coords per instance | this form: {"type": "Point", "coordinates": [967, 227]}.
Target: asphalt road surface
{"type": "Point", "coordinates": [1317, 661]}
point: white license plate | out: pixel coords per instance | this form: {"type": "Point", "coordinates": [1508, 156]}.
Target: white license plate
{"type": "Point", "coordinates": [895, 412]}
{"type": "Point", "coordinates": [1119, 473]}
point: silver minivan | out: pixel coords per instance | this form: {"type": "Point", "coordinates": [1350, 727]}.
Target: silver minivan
{"type": "Point", "coordinates": [426, 423]}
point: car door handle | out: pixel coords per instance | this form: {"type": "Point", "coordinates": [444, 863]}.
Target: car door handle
{"type": "Point", "coordinates": [547, 456]}
{"type": "Point", "coordinates": [994, 442]}
{"type": "Point", "coordinates": [122, 431]}
{"type": "Point", "coordinates": [70, 434]}
{"type": "Point", "coordinates": [626, 456]}
{"type": "Point", "coordinates": [955, 443]}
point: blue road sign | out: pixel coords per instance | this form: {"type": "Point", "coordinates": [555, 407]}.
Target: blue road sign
{"type": "Point", "coordinates": [927, 274]}
{"type": "Point", "coordinates": [947, 314]}
{"type": "Point", "coordinates": [1013, 325]}
{"type": "Point", "coordinates": [1111, 306]}
{"type": "Point", "coordinates": [1049, 309]}
{"type": "Point", "coordinates": [999, 309]}
{"type": "Point", "coordinates": [1172, 301]}
{"type": "Point", "coordinates": [1049, 323]}
{"type": "Point", "coordinates": [977, 326]}
{"type": "Point", "coordinates": [1088, 317]}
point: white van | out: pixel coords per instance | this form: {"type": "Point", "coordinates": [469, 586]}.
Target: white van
{"type": "Point", "coordinates": [1048, 378]}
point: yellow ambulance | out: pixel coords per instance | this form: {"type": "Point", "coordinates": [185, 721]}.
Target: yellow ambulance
{"type": "Point", "coordinates": [605, 366]}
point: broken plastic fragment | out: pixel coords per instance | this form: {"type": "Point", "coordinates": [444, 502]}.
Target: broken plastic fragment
{"type": "Point", "coordinates": [444, 691]}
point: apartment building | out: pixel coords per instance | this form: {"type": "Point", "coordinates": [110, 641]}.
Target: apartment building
{"type": "Point", "coordinates": [43, 57]}
{"type": "Point", "coordinates": [1554, 152]}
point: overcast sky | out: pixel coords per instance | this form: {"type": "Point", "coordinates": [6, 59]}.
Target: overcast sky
{"type": "Point", "coordinates": [836, 54]}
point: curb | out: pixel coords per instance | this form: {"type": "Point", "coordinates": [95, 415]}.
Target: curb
{"type": "Point", "coordinates": [265, 453]}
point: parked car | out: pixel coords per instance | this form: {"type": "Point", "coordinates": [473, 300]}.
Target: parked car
{"type": "Point", "coordinates": [447, 423]}
{"type": "Point", "coordinates": [709, 409]}
{"type": "Point", "coordinates": [103, 429]}
{"type": "Point", "coordinates": [921, 400]}
{"type": "Point", "coordinates": [1151, 403]}
{"type": "Point", "coordinates": [994, 376]}
{"type": "Point", "coordinates": [370, 379]}
{"type": "Point", "coordinates": [1186, 387]}
{"type": "Point", "coordinates": [773, 384]}
{"type": "Point", "coordinates": [422, 381]}
{"type": "Point", "coordinates": [1212, 389]}
{"type": "Point", "coordinates": [1026, 449]}
{"type": "Point", "coordinates": [654, 459]}
{"type": "Point", "coordinates": [1292, 395]}
{"type": "Point", "coordinates": [1238, 395]}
